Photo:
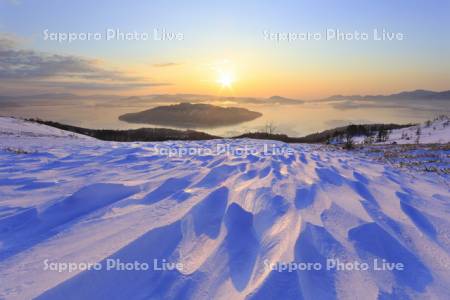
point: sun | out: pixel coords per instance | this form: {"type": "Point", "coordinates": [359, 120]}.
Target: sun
{"type": "Point", "coordinates": [226, 79]}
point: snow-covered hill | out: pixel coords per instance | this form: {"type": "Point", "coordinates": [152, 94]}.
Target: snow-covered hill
{"type": "Point", "coordinates": [228, 213]}
{"type": "Point", "coordinates": [435, 131]}
{"type": "Point", "coordinates": [19, 128]}
{"type": "Point", "coordinates": [431, 132]}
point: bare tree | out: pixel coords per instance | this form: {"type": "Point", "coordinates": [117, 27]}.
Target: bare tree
{"type": "Point", "coordinates": [382, 133]}
{"type": "Point", "coordinates": [270, 128]}
{"type": "Point", "coordinates": [418, 133]}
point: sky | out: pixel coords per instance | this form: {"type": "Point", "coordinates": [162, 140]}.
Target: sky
{"type": "Point", "coordinates": [224, 49]}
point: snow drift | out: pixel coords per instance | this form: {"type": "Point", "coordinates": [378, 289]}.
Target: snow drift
{"type": "Point", "coordinates": [222, 217]}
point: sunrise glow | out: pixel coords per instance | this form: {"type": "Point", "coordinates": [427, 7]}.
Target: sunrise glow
{"type": "Point", "coordinates": [226, 80]}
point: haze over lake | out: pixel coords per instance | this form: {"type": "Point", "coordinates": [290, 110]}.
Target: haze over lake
{"type": "Point", "coordinates": [295, 120]}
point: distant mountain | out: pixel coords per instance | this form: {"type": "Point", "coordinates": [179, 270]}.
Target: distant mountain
{"type": "Point", "coordinates": [191, 115]}
{"type": "Point", "coordinates": [57, 97]}
{"type": "Point", "coordinates": [38, 99]}
{"type": "Point", "coordinates": [283, 100]}
{"type": "Point", "coordinates": [409, 95]}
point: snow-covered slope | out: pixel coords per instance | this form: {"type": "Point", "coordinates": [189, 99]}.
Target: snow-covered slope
{"type": "Point", "coordinates": [435, 131]}
{"type": "Point", "coordinates": [431, 132]}
{"type": "Point", "coordinates": [225, 218]}
{"type": "Point", "coordinates": [20, 128]}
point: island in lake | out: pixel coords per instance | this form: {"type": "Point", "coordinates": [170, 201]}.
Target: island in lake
{"type": "Point", "coordinates": [192, 115]}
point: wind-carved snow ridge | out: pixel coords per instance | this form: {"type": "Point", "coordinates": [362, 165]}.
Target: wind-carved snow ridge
{"type": "Point", "coordinates": [223, 225]}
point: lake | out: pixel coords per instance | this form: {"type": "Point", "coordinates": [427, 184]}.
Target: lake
{"type": "Point", "coordinates": [294, 120]}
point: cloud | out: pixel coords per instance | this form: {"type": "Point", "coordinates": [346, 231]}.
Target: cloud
{"type": "Point", "coordinates": [25, 64]}
{"type": "Point", "coordinates": [168, 64]}
{"type": "Point", "coordinates": [64, 71]}
{"type": "Point", "coordinates": [100, 85]}
{"type": "Point", "coordinates": [437, 106]}
{"type": "Point", "coordinates": [358, 104]}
